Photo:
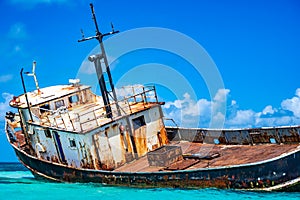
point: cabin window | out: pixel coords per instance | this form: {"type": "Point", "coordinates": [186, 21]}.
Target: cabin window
{"type": "Point", "coordinates": [44, 108]}
{"type": "Point", "coordinates": [59, 103]}
{"type": "Point", "coordinates": [138, 122]}
{"type": "Point", "coordinates": [72, 142]}
{"type": "Point", "coordinates": [273, 141]}
{"type": "Point", "coordinates": [47, 133]}
{"type": "Point", "coordinates": [74, 99]}
{"type": "Point", "coordinates": [216, 141]}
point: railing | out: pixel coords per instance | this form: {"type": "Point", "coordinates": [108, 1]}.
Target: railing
{"type": "Point", "coordinates": [144, 93]}
{"type": "Point", "coordinates": [77, 121]}
{"type": "Point", "coordinates": [137, 94]}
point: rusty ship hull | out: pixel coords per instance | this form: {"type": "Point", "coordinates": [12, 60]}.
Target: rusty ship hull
{"type": "Point", "coordinates": [67, 133]}
{"type": "Point", "coordinates": [258, 165]}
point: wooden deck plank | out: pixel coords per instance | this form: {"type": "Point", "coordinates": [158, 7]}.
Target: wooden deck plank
{"type": "Point", "coordinates": [229, 155]}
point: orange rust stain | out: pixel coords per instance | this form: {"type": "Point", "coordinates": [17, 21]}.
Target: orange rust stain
{"type": "Point", "coordinates": [140, 140]}
{"type": "Point", "coordinates": [165, 177]}
{"type": "Point", "coordinates": [20, 138]}
{"type": "Point", "coordinates": [136, 107]}
{"type": "Point", "coordinates": [123, 149]}
{"type": "Point", "coordinates": [68, 88]}
{"type": "Point", "coordinates": [163, 136]}
{"type": "Point", "coordinates": [128, 141]}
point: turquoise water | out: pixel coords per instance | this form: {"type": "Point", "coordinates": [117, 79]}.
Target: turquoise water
{"type": "Point", "coordinates": [18, 183]}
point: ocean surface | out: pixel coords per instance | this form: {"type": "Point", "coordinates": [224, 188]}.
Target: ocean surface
{"type": "Point", "coordinates": [16, 182]}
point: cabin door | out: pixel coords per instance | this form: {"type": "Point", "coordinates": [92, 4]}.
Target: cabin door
{"type": "Point", "coordinates": [59, 147]}
{"type": "Point", "coordinates": [140, 139]}
{"type": "Point", "coordinates": [104, 150]}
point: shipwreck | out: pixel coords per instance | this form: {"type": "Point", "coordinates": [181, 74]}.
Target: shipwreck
{"type": "Point", "coordinates": [66, 133]}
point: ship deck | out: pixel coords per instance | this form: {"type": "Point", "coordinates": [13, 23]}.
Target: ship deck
{"type": "Point", "coordinates": [227, 155]}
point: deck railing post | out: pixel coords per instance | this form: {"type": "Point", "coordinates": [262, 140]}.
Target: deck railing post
{"type": "Point", "coordinates": [54, 119]}
{"type": "Point", "coordinates": [62, 119]}
{"type": "Point", "coordinates": [145, 96]}
{"type": "Point", "coordinates": [155, 94]}
{"type": "Point", "coordinates": [71, 121]}
{"type": "Point", "coordinates": [96, 118]}
{"type": "Point", "coordinates": [78, 116]}
{"type": "Point", "coordinates": [129, 107]}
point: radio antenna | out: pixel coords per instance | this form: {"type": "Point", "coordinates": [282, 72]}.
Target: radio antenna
{"type": "Point", "coordinates": [34, 77]}
{"type": "Point", "coordinates": [97, 61]}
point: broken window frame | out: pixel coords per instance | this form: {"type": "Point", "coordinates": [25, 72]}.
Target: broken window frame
{"type": "Point", "coordinates": [138, 122]}
{"type": "Point", "coordinates": [73, 99]}
{"type": "Point", "coordinates": [59, 103]}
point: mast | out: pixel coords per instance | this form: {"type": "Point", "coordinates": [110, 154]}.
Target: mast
{"type": "Point", "coordinates": [26, 97]}
{"type": "Point", "coordinates": [97, 62]}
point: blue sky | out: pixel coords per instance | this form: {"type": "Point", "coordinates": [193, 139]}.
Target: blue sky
{"type": "Point", "coordinates": [255, 46]}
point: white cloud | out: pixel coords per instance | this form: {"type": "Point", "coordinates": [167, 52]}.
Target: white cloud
{"type": "Point", "coordinates": [298, 92]}
{"type": "Point", "coordinates": [276, 121]}
{"type": "Point", "coordinates": [233, 102]}
{"type": "Point", "coordinates": [4, 105]}
{"type": "Point", "coordinates": [293, 104]}
{"type": "Point", "coordinates": [15, 36]}
{"type": "Point", "coordinates": [288, 114]}
{"type": "Point", "coordinates": [189, 106]}
{"type": "Point", "coordinates": [204, 107]}
{"type": "Point", "coordinates": [17, 31]}
{"type": "Point", "coordinates": [218, 119]}
{"type": "Point", "coordinates": [5, 78]}
{"type": "Point", "coordinates": [243, 118]}
{"type": "Point", "coordinates": [181, 108]}
{"type": "Point", "coordinates": [221, 95]}
{"type": "Point", "coordinates": [268, 110]}
{"type": "Point", "coordinates": [187, 112]}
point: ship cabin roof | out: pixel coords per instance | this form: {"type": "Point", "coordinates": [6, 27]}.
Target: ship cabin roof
{"type": "Point", "coordinates": [76, 108]}
{"type": "Point", "coordinates": [47, 94]}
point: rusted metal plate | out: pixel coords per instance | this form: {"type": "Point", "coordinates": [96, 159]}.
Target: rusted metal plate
{"type": "Point", "coordinates": [291, 135]}
{"type": "Point", "coordinates": [252, 136]}
{"type": "Point", "coordinates": [164, 156]}
{"type": "Point", "coordinates": [104, 151]}
{"type": "Point", "coordinates": [140, 140]}
{"type": "Point", "coordinates": [237, 137]}
{"type": "Point", "coordinates": [177, 134]}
